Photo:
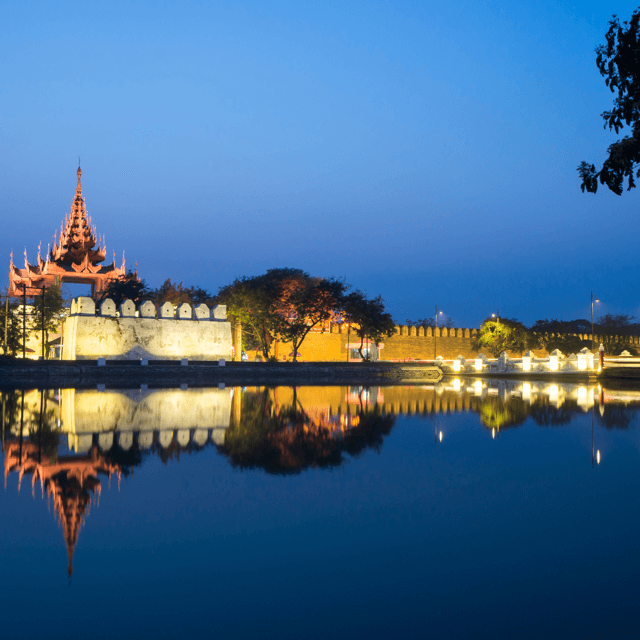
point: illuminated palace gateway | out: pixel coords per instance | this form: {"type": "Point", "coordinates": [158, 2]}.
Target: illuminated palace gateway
{"type": "Point", "coordinates": [73, 259]}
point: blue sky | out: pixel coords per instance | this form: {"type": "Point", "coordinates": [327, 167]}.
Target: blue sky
{"type": "Point", "coordinates": [423, 151]}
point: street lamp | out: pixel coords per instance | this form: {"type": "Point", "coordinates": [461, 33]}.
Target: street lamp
{"type": "Point", "coordinates": [496, 315]}
{"type": "Point", "coordinates": [435, 335]}
{"type": "Point", "coordinates": [592, 301]}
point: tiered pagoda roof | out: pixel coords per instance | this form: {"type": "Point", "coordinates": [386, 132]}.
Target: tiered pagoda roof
{"type": "Point", "coordinates": [75, 257]}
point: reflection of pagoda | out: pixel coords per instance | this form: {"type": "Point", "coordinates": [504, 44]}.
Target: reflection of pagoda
{"type": "Point", "coordinates": [73, 258]}
{"type": "Point", "coordinates": [70, 481]}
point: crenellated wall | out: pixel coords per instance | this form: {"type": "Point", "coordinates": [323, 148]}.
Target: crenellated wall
{"type": "Point", "coordinates": [134, 333]}
{"type": "Point", "coordinates": [410, 343]}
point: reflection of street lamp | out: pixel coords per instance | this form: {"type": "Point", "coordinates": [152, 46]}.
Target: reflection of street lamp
{"type": "Point", "coordinates": [592, 301]}
{"type": "Point", "coordinates": [595, 457]}
{"type": "Point", "coordinates": [435, 335]}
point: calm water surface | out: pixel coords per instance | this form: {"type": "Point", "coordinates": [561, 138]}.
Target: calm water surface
{"type": "Point", "coordinates": [465, 510]}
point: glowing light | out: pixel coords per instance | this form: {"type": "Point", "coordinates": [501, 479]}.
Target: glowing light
{"type": "Point", "coordinates": [582, 395]}
{"type": "Point", "coordinates": [526, 363]}
{"type": "Point", "coordinates": [440, 438]}
{"type": "Point", "coordinates": [456, 365]}
{"type": "Point", "coordinates": [553, 393]}
{"type": "Point", "coordinates": [598, 456]}
{"type": "Point", "coordinates": [493, 433]}
{"type": "Point", "coordinates": [526, 391]}
{"type": "Point", "coordinates": [582, 361]}
{"type": "Point", "coordinates": [553, 363]}
{"type": "Point", "coordinates": [478, 364]}
{"type": "Point", "coordinates": [456, 384]}
{"type": "Point", "coordinates": [477, 387]}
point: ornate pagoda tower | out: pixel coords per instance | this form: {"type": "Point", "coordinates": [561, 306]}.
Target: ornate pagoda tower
{"type": "Point", "coordinates": [74, 258]}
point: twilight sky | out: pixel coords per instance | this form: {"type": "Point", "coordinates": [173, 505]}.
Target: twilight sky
{"type": "Point", "coordinates": [424, 151]}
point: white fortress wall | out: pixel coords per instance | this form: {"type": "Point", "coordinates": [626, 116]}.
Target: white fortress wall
{"type": "Point", "coordinates": [132, 334]}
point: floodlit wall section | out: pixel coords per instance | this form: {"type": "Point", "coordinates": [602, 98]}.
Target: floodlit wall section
{"type": "Point", "coordinates": [145, 332]}
{"type": "Point", "coordinates": [409, 343]}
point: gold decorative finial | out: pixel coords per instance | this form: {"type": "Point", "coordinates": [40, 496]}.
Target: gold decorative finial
{"type": "Point", "coordinates": [79, 173]}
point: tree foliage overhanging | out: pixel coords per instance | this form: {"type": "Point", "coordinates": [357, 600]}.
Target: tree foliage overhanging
{"type": "Point", "coordinates": [282, 303]}
{"type": "Point", "coordinates": [619, 63]}
{"type": "Point", "coordinates": [127, 287]}
{"type": "Point", "coordinates": [369, 318]}
{"type": "Point", "coordinates": [286, 304]}
{"type": "Point", "coordinates": [505, 334]}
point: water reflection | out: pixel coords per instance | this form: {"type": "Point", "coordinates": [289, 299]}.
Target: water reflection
{"type": "Point", "coordinates": [299, 426]}
{"type": "Point", "coordinates": [68, 440]}
{"type": "Point", "coordinates": [285, 430]}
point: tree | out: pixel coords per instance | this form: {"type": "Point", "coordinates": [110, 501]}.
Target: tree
{"type": "Point", "coordinates": [248, 304]}
{"type": "Point", "coordinates": [610, 327]}
{"type": "Point", "coordinates": [127, 287]}
{"type": "Point", "coordinates": [177, 293]}
{"type": "Point", "coordinates": [619, 325]}
{"type": "Point", "coordinates": [619, 63]}
{"type": "Point", "coordinates": [505, 334]}
{"type": "Point", "coordinates": [305, 302]}
{"type": "Point", "coordinates": [430, 322]}
{"type": "Point", "coordinates": [368, 318]}
{"type": "Point", "coordinates": [285, 303]}
{"type": "Point", "coordinates": [561, 326]}
{"type": "Point", "coordinates": [50, 314]}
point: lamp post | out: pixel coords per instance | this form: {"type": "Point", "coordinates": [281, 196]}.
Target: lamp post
{"type": "Point", "coordinates": [24, 321]}
{"type": "Point", "coordinates": [43, 325]}
{"type": "Point", "coordinates": [435, 336]}
{"type": "Point", "coordinates": [592, 301]}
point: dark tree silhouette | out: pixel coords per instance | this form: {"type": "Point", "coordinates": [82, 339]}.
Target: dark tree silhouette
{"type": "Point", "coordinates": [619, 63]}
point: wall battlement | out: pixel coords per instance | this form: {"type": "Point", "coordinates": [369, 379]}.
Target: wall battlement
{"type": "Point", "coordinates": [145, 332]}
{"type": "Point", "coordinates": [337, 343]}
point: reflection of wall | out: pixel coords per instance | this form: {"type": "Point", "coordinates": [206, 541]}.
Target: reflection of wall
{"type": "Point", "coordinates": [190, 413]}
{"type": "Point", "coordinates": [450, 396]}
{"type": "Point", "coordinates": [31, 413]}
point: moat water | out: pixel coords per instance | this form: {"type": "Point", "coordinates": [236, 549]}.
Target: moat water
{"type": "Point", "coordinates": [468, 509]}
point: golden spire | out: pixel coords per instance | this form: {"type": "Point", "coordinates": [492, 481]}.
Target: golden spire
{"type": "Point", "coordinates": [79, 172]}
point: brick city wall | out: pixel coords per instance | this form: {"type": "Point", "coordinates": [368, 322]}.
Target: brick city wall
{"type": "Point", "coordinates": [408, 343]}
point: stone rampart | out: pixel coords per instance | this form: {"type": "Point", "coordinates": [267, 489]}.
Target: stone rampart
{"type": "Point", "coordinates": [131, 333]}
{"type": "Point", "coordinates": [411, 343]}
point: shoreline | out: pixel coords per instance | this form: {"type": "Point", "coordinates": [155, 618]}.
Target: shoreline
{"type": "Point", "coordinates": [127, 373]}
{"type": "Point", "coordinates": [123, 374]}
